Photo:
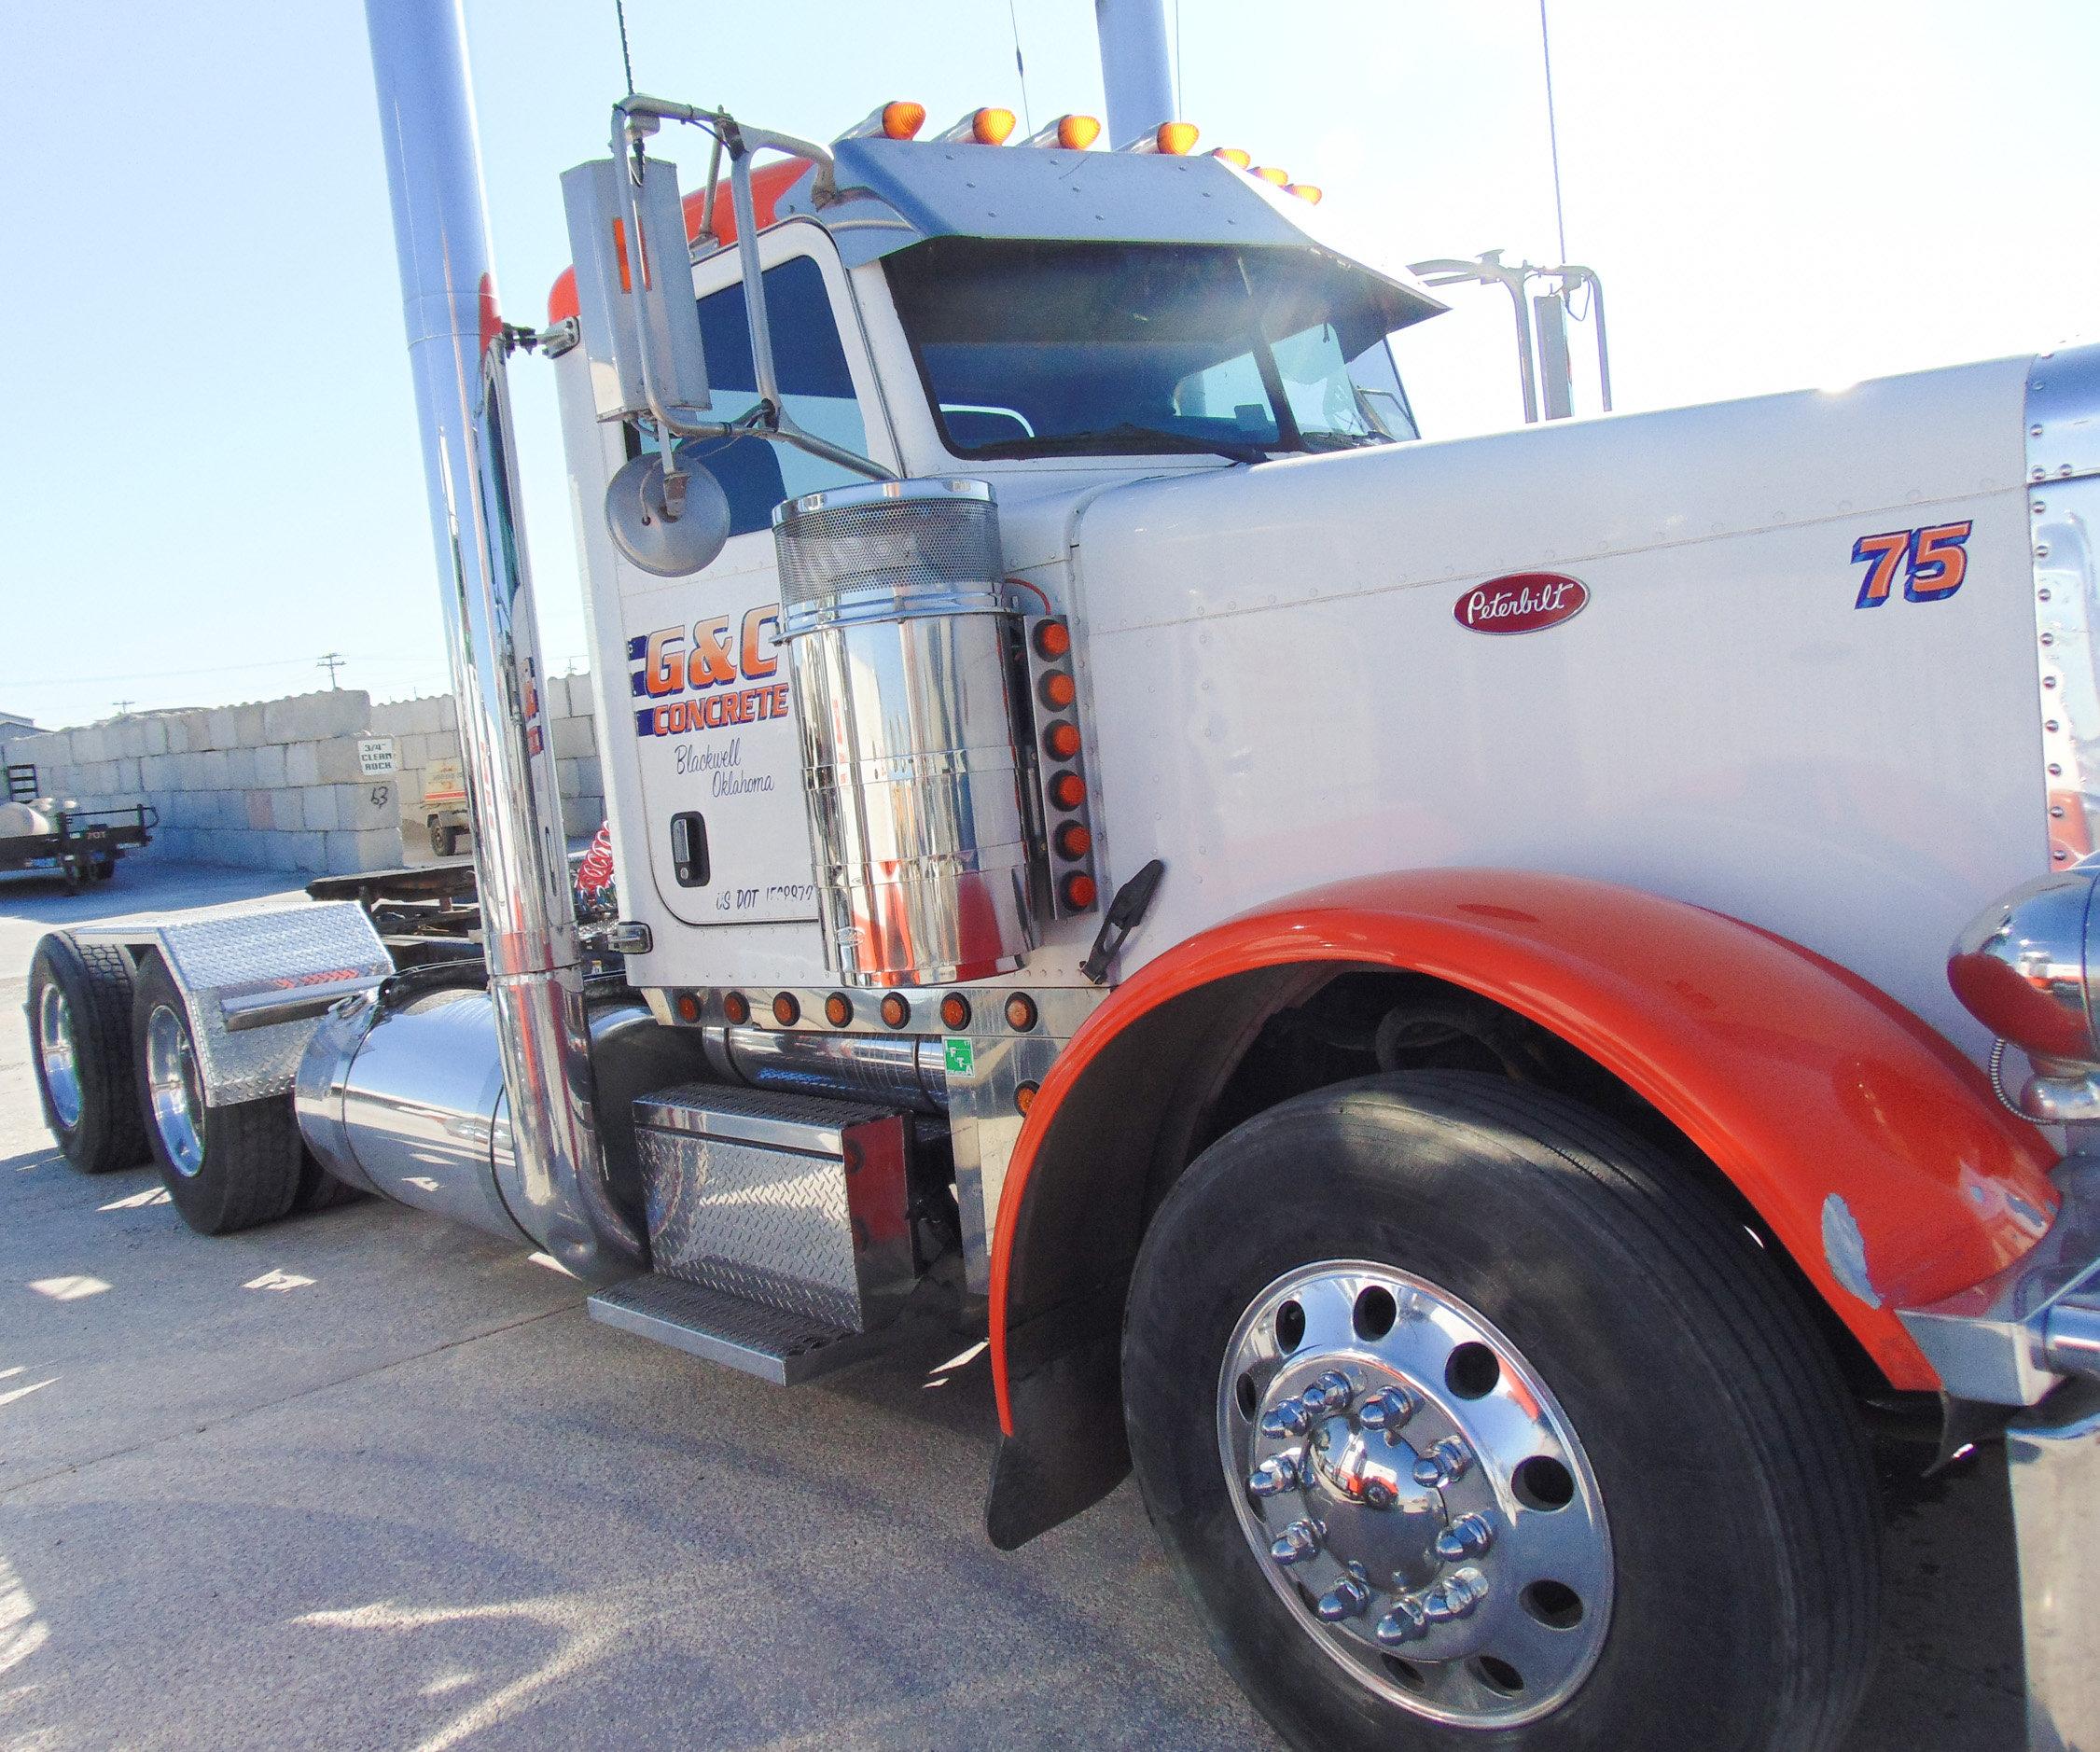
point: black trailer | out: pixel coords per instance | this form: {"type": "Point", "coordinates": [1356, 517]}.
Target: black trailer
{"type": "Point", "coordinates": [82, 845]}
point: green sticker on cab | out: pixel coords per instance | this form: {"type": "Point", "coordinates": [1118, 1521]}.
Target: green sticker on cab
{"type": "Point", "coordinates": [962, 1055]}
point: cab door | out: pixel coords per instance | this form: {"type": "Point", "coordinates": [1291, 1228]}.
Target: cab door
{"type": "Point", "coordinates": [719, 762]}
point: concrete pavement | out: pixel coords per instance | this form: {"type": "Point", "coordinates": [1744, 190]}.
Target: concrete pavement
{"type": "Point", "coordinates": [363, 1480]}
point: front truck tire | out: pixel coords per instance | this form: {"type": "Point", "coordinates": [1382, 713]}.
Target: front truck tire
{"type": "Point", "coordinates": [227, 1166]}
{"type": "Point", "coordinates": [80, 1044]}
{"type": "Point", "coordinates": [1469, 1420]}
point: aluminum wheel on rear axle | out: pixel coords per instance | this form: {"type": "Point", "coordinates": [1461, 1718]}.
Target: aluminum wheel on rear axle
{"type": "Point", "coordinates": [176, 1094]}
{"type": "Point", "coordinates": [1414, 1493]}
{"type": "Point", "coordinates": [57, 1054]}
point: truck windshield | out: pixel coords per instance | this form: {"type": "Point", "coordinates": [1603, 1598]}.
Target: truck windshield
{"type": "Point", "coordinates": [1062, 349]}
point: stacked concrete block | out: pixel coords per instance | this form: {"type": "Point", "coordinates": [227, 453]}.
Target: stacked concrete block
{"type": "Point", "coordinates": [428, 730]}
{"type": "Point", "coordinates": [275, 785]}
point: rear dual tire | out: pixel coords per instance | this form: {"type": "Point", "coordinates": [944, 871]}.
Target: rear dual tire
{"type": "Point", "coordinates": [1731, 1562]}
{"type": "Point", "coordinates": [228, 1165]}
{"type": "Point", "coordinates": [80, 1048]}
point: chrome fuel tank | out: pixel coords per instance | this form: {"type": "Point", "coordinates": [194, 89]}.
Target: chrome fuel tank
{"type": "Point", "coordinates": [408, 1101]}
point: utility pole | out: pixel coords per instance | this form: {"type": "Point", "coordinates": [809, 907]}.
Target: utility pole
{"type": "Point", "coordinates": [123, 708]}
{"type": "Point", "coordinates": [331, 662]}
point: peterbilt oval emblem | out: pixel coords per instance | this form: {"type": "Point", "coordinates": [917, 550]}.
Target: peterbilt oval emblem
{"type": "Point", "coordinates": [1523, 602]}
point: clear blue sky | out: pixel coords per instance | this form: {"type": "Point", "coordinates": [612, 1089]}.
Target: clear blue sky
{"type": "Point", "coordinates": [208, 464]}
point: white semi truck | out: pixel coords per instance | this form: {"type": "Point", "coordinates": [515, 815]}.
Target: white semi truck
{"type": "Point", "coordinates": [1406, 982]}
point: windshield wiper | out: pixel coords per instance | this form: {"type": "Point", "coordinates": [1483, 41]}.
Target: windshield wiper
{"type": "Point", "coordinates": [1125, 436]}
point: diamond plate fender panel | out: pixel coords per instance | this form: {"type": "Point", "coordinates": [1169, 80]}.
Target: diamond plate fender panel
{"type": "Point", "coordinates": [256, 984]}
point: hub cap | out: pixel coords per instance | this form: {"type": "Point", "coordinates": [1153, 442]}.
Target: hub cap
{"type": "Point", "coordinates": [178, 1102]}
{"type": "Point", "coordinates": [55, 1052]}
{"type": "Point", "coordinates": [1414, 1493]}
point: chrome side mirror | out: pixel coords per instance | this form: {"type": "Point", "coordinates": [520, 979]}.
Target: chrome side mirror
{"type": "Point", "coordinates": [670, 525]}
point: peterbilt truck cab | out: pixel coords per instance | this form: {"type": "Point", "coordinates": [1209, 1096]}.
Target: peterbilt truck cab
{"type": "Point", "coordinates": [1404, 982]}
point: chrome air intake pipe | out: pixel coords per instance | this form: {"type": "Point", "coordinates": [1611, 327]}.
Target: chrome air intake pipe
{"type": "Point", "coordinates": [456, 349]}
{"type": "Point", "coordinates": [894, 612]}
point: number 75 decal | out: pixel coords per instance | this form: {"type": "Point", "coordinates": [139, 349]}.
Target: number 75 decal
{"type": "Point", "coordinates": [1937, 563]}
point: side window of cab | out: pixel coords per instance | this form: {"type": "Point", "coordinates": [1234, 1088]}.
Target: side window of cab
{"type": "Point", "coordinates": [814, 383]}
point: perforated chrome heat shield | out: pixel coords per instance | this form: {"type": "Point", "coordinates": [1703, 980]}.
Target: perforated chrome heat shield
{"type": "Point", "coordinates": [900, 644]}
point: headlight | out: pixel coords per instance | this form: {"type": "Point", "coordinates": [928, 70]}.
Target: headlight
{"type": "Point", "coordinates": [2021, 969]}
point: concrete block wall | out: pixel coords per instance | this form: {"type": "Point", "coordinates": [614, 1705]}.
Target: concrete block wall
{"type": "Point", "coordinates": [424, 730]}
{"type": "Point", "coordinates": [274, 784]}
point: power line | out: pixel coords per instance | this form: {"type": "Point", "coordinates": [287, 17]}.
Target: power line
{"type": "Point", "coordinates": [1027, 117]}
{"type": "Point", "coordinates": [331, 662]}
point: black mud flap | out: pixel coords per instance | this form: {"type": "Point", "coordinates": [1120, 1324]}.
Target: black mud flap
{"type": "Point", "coordinates": [1068, 1450]}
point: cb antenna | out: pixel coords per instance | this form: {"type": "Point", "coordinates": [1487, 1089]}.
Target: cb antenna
{"type": "Point", "coordinates": [1553, 132]}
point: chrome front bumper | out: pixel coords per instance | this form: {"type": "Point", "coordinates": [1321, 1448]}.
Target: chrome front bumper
{"type": "Point", "coordinates": [2030, 1337]}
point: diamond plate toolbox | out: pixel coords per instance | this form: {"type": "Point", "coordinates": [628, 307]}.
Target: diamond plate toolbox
{"type": "Point", "coordinates": [788, 1202]}
{"type": "Point", "coordinates": [256, 984]}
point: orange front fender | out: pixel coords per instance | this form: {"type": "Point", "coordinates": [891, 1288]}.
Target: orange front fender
{"type": "Point", "coordinates": [1873, 1149]}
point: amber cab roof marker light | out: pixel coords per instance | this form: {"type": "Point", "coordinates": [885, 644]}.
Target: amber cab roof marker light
{"type": "Point", "coordinates": [1074, 133]}
{"type": "Point", "coordinates": [1270, 173]}
{"type": "Point", "coordinates": [981, 126]}
{"type": "Point", "coordinates": [1305, 191]}
{"type": "Point", "coordinates": [1173, 139]}
{"type": "Point", "coordinates": [1234, 156]}
{"type": "Point", "coordinates": [899, 119]}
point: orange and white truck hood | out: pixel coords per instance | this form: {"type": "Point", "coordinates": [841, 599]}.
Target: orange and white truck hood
{"type": "Point", "coordinates": [1297, 672]}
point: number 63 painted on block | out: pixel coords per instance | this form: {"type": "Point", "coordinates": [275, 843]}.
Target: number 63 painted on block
{"type": "Point", "coordinates": [1938, 562]}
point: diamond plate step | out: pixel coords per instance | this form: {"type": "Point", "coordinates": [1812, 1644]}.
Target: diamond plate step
{"type": "Point", "coordinates": [777, 1346]}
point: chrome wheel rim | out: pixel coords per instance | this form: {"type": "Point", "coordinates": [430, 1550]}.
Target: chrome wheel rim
{"type": "Point", "coordinates": [57, 1055]}
{"type": "Point", "coordinates": [178, 1104]}
{"type": "Point", "coordinates": [1415, 1495]}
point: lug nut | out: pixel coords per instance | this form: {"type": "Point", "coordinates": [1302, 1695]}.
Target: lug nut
{"type": "Point", "coordinates": [1388, 1408]}
{"type": "Point", "coordinates": [1456, 1598]}
{"type": "Point", "coordinates": [1291, 1418]}
{"type": "Point", "coordinates": [1445, 1463]}
{"type": "Point", "coordinates": [1346, 1599]}
{"type": "Point", "coordinates": [1296, 1542]}
{"type": "Point", "coordinates": [1331, 1392]}
{"type": "Point", "coordinates": [1467, 1537]}
{"type": "Point", "coordinates": [1274, 1476]}
{"type": "Point", "coordinates": [1407, 1623]}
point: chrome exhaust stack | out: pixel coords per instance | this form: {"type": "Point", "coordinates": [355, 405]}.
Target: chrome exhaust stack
{"type": "Point", "coordinates": [457, 348]}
